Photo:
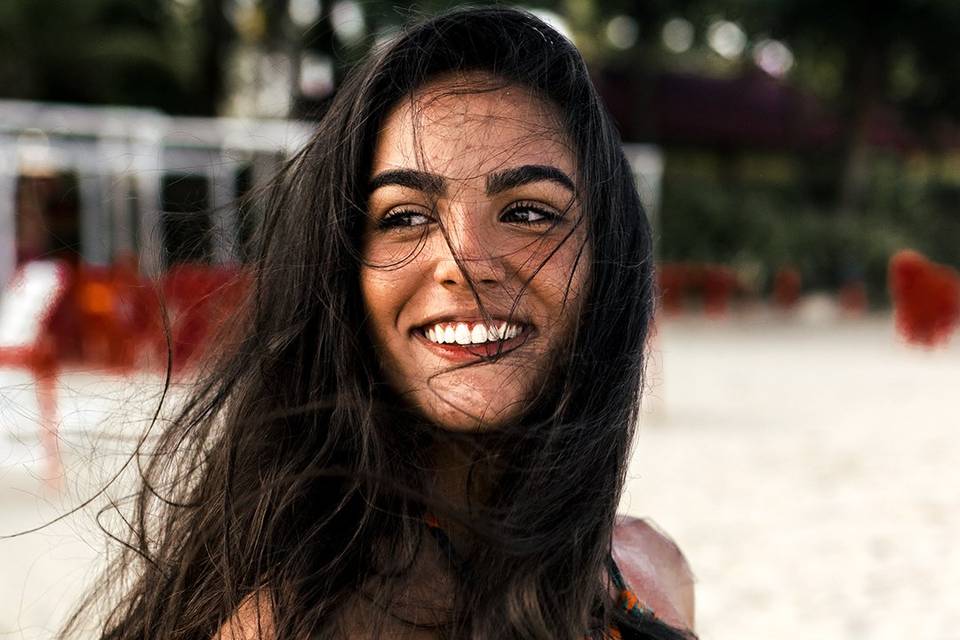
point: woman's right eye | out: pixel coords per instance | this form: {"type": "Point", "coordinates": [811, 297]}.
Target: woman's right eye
{"type": "Point", "coordinates": [399, 219]}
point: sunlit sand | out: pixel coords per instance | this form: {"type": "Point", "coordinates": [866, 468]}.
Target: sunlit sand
{"type": "Point", "coordinates": [808, 467]}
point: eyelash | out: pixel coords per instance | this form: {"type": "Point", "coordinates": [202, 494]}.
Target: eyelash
{"type": "Point", "coordinates": [547, 216]}
{"type": "Point", "coordinates": [401, 218]}
{"type": "Point", "coordinates": [395, 219]}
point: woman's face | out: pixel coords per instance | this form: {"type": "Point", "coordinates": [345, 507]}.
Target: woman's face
{"type": "Point", "coordinates": [488, 178]}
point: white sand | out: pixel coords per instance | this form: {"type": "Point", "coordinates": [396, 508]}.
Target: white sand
{"type": "Point", "coordinates": [810, 472]}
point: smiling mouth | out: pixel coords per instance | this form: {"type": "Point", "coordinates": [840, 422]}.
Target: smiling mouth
{"type": "Point", "coordinates": [460, 340]}
{"type": "Point", "coordinates": [472, 333]}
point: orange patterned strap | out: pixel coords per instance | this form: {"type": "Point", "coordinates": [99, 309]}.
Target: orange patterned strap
{"type": "Point", "coordinates": [627, 600]}
{"type": "Point", "coordinates": [631, 604]}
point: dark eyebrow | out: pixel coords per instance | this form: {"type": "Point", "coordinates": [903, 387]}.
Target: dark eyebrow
{"type": "Point", "coordinates": [510, 178]}
{"type": "Point", "coordinates": [419, 180]}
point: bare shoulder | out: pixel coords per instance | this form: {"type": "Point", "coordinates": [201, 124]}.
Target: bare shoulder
{"type": "Point", "coordinates": [655, 569]}
{"type": "Point", "coordinates": [253, 620]}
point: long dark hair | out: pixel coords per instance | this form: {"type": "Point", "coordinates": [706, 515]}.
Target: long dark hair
{"type": "Point", "coordinates": [293, 474]}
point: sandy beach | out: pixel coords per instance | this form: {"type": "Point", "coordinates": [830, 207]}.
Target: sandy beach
{"type": "Point", "coordinates": [810, 471]}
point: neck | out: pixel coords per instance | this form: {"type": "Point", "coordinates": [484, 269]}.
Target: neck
{"type": "Point", "coordinates": [458, 486]}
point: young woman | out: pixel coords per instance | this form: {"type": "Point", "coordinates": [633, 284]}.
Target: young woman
{"type": "Point", "coordinates": [424, 428]}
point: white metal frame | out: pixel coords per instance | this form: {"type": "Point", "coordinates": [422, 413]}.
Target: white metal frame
{"type": "Point", "coordinates": [108, 147]}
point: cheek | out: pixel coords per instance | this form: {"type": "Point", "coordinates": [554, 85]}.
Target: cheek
{"type": "Point", "coordinates": [580, 284]}
{"type": "Point", "coordinates": [378, 289]}
{"type": "Point", "coordinates": [564, 281]}
{"type": "Point", "coordinates": [389, 295]}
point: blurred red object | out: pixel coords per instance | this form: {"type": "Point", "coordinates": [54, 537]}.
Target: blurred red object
{"type": "Point", "coordinates": [112, 317]}
{"type": "Point", "coordinates": [719, 284]}
{"type": "Point", "coordinates": [787, 284]}
{"type": "Point", "coordinates": [32, 309]}
{"type": "Point", "coordinates": [714, 284]}
{"type": "Point", "coordinates": [853, 298]}
{"type": "Point", "coordinates": [104, 340]}
{"type": "Point", "coordinates": [200, 301]}
{"type": "Point", "coordinates": [926, 298]}
{"type": "Point", "coordinates": [673, 281]}
{"type": "Point", "coordinates": [114, 314]}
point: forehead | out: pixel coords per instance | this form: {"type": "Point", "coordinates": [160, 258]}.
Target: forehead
{"type": "Point", "coordinates": [468, 126]}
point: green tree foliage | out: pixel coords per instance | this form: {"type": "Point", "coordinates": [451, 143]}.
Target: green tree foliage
{"type": "Point", "coordinates": [898, 53]}
{"type": "Point", "coordinates": [167, 54]}
{"type": "Point", "coordinates": [879, 67]}
{"type": "Point", "coordinates": [88, 51]}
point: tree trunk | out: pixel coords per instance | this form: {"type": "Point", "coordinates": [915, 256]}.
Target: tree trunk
{"type": "Point", "coordinates": [866, 72]}
{"type": "Point", "coordinates": [216, 34]}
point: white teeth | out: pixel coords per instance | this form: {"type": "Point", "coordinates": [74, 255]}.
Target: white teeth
{"type": "Point", "coordinates": [479, 334]}
{"type": "Point", "coordinates": [461, 333]}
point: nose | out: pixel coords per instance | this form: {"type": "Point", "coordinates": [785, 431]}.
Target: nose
{"type": "Point", "coordinates": [474, 246]}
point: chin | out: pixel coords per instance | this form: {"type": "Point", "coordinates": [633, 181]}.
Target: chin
{"type": "Point", "coordinates": [462, 413]}
{"type": "Point", "coordinates": [470, 419]}
{"type": "Point", "coordinates": [466, 401]}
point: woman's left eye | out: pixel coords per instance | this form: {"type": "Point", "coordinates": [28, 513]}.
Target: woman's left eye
{"type": "Point", "coordinates": [403, 218]}
{"type": "Point", "coordinates": [528, 213]}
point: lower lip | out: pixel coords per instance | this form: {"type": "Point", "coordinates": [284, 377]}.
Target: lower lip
{"type": "Point", "coordinates": [465, 352]}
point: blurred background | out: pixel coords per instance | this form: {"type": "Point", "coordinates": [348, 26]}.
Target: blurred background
{"type": "Point", "coordinates": [800, 161]}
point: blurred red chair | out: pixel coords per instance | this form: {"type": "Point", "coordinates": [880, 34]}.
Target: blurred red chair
{"type": "Point", "coordinates": [34, 327]}
{"type": "Point", "coordinates": [713, 284]}
{"type": "Point", "coordinates": [199, 301]}
{"type": "Point", "coordinates": [787, 285]}
{"type": "Point", "coordinates": [115, 306]}
{"type": "Point", "coordinates": [718, 284]}
{"type": "Point", "coordinates": [926, 298]}
{"type": "Point", "coordinates": [852, 299]}
{"type": "Point", "coordinates": [96, 301]}
{"type": "Point", "coordinates": [672, 282]}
